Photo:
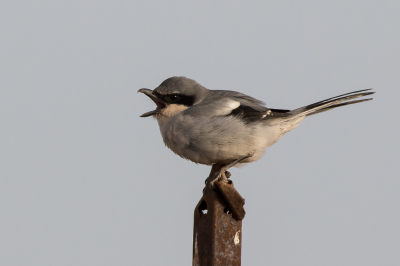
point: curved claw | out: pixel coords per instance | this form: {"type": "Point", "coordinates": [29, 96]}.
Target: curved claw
{"type": "Point", "coordinates": [221, 172]}
{"type": "Point", "coordinates": [221, 175]}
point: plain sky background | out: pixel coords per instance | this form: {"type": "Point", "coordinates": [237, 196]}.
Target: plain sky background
{"type": "Point", "coordinates": [85, 181]}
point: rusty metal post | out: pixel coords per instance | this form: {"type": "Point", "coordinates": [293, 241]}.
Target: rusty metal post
{"type": "Point", "coordinates": [217, 234]}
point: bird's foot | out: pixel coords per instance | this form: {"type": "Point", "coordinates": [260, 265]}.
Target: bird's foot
{"type": "Point", "coordinates": [221, 173]}
{"type": "Point", "coordinates": [220, 177]}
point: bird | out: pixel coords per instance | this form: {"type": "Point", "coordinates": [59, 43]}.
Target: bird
{"type": "Point", "coordinates": [226, 128]}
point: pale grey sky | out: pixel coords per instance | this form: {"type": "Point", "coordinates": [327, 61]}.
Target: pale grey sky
{"type": "Point", "coordinates": [85, 181]}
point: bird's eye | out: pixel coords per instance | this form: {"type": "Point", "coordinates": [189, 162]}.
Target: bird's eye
{"type": "Point", "coordinates": [173, 97]}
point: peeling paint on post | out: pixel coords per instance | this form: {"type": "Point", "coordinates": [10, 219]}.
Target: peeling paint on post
{"type": "Point", "coordinates": [217, 234]}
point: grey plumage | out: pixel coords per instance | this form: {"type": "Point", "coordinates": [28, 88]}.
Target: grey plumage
{"type": "Point", "coordinates": [218, 127]}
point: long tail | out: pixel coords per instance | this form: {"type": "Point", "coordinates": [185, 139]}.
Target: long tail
{"type": "Point", "coordinates": [331, 103]}
{"type": "Point", "coordinates": [282, 121]}
{"type": "Point", "coordinates": [293, 117]}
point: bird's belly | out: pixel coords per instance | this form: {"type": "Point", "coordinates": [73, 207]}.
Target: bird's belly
{"type": "Point", "coordinates": [213, 140]}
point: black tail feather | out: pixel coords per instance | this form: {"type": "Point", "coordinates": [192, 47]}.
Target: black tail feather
{"type": "Point", "coordinates": [339, 96]}
{"type": "Point", "coordinates": [339, 105]}
{"type": "Point", "coordinates": [333, 102]}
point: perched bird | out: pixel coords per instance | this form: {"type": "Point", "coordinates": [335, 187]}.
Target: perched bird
{"type": "Point", "coordinates": [225, 127]}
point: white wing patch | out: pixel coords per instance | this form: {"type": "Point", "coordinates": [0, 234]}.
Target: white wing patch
{"type": "Point", "coordinates": [233, 104]}
{"type": "Point", "coordinates": [217, 107]}
{"type": "Point", "coordinates": [227, 107]}
{"type": "Point", "coordinates": [268, 113]}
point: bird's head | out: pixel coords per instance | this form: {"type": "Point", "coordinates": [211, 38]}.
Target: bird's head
{"type": "Point", "coordinates": [174, 95]}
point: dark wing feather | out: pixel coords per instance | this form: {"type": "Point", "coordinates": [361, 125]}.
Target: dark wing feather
{"type": "Point", "coordinates": [249, 115]}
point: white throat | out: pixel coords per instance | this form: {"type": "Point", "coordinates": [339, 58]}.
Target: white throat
{"type": "Point", "coordinates": [169, 111]}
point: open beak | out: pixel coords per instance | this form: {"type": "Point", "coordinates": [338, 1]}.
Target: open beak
{"type": "Point", "coordinates": [160, 104]}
